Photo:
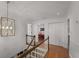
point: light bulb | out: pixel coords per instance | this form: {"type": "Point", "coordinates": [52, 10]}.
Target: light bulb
{"type": "Point", "coordinates": [3, 27]}
{"type": "Point", "coordinates": [10, 27]}
{"type": "Point", "coordinates": [7, 27]}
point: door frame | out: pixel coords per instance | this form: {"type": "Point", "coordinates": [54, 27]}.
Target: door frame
{"type": "Point", "coordinates": [52, 23]}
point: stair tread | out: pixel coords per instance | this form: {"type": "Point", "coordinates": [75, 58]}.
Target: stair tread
{"type": "Point", "coordinates": [40, 53]}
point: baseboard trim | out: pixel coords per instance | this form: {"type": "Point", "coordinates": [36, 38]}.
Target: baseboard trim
{"type": "Point", "coordinates": [70, 55]}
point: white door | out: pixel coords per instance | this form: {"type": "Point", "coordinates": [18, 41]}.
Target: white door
{"type": "Point", "coordinates": [57, 32]}
{"type": "Point", "coordinates": [29, 32]}
{"type": "Point", "coordinates": [51, 33]}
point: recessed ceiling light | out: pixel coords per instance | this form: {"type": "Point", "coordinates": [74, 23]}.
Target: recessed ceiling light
{"type": "Point", "coordinates": [58, 13]}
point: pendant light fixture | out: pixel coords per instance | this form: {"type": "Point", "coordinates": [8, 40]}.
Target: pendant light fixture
{"type": "Point", "coordinates": [7, 25]}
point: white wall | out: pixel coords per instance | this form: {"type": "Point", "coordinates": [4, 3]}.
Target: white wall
{"type": "Point", "coordinates": [46, 22]}
{"type": "Point", "coordinates": [11, 45]}
{"type": "Point", "coordinates": [74, 28]}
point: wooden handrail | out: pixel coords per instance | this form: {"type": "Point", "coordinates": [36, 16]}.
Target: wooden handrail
{"type": "Point", "coordinates": [30, 35]}
{"type": "Point", "coordinates": [29, 51]}
{"type": "Point", "coordinates": [27, 47]}
{"type": "Point", "coordinates": [30, 43]}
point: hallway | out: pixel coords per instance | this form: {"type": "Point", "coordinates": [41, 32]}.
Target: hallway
{"type": "Point", "coordinates": [47, 23]}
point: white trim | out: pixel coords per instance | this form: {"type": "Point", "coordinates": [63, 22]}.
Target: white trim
{"type": "Point", "coordinates": [70, 55]}
{"type": "Point", "coordinates": [55, 22]}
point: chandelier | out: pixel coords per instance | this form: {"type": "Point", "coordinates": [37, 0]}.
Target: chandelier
{"type": "Point", "coordinates": [7, 25]}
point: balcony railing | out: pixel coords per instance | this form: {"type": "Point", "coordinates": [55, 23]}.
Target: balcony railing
{"type": "Point", "coordinates": [34, 49]}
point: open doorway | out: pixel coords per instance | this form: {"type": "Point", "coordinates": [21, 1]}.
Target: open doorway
{"type": "Point", "coordinates": [58, 34]}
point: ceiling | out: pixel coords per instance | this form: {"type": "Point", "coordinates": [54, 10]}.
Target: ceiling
{"type": "Point", "coordinates": [35, 10]}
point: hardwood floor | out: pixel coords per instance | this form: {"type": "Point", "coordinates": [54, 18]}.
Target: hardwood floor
{"type": "Point", "coordinates": [57, 52]}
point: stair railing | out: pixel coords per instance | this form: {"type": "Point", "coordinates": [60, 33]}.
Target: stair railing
{"type": "Point", "coordinates": [31, 36]}
{"type": "Point", "coordinates": [29, 44]}
{"type": "Point", "coordinates": [26, 52]}
{"type": "Point", "coordinates": [31, 41]}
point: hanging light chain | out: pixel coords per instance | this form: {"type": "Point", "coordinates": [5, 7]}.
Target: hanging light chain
{"type": "Point", "coordinates": [7, 9]}
{"type": "Point", "coordinates": [7, 17]}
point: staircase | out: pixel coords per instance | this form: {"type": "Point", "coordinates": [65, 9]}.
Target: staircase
{"type": "Point", "coordinates": [37, 53]}
{"type": "Point", "coordinates": [35, 50]}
